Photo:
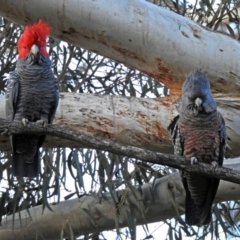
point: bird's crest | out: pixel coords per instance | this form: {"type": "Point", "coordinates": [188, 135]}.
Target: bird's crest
{"type": "Point", "coordinates": [41, 28]}
{"type": "Point", "coordinates": [36, 33]}
{"type": "Point", "coordinates": [196, 94]}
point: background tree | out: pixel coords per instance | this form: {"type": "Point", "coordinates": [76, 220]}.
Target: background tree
{"type": "Point", "coordinates": [101, 177]}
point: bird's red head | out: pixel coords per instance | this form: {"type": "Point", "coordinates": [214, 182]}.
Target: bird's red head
{"type": "Point", "coordinates": [34, 34]}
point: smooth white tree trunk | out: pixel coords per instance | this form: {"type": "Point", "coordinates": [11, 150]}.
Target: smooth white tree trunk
{"type": "Point", "coordinates": [140, 34]}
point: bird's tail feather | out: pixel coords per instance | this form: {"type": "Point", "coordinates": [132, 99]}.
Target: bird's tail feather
{"type": "Point", "coordinates": [26, 145]}
{"type": "Point", "coordinates": [200, 215]}
{"type": "Point", "coordinates": [22, 169]}
{"type": "Point", "coordinates": [197, 215]}
{"type": "Point", "coordinates": [25, 161]}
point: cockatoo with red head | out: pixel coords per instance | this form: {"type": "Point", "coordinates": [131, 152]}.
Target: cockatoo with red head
{"type": "Point", "coordinates": [31, 96]}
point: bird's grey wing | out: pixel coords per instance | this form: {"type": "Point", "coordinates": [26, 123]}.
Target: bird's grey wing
{"type": "Point", "coordinates": [213, 183]}
{"type": "Point", "coordinates": [223, 141]}
{"type": "Point", "coordinates": [177, 137]}
{"type": "Point", "coordinates": [11, 95]}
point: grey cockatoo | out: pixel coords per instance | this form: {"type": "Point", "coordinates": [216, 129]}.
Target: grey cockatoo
{"type": "Point", "coordinates": [32, 95]}
{"type": "Point", "coordinates": [198, 134]}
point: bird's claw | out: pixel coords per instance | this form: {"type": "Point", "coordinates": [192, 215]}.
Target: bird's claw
{"type": "Point", "coordinates": [5, 132]}
{"type": "Point", "coordinates": [24, 121]}
{"type": "Point", "coordinates": [193, 160]}
{"type": "Point", "coordinates": [214, 164]}
{"type": "Point", "coordinates": [42, 122]}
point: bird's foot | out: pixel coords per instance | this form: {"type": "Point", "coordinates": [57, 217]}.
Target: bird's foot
{"type": "Point", "coordinates": [24, 121]}
{"type": "Point", "coordinates": [5, 132]}
{"type": "Point", "coordinates": [214, 164]}
{"type": "Point", "coordinates": [42, 122]}
{"type": "Point", "coordinates": [193, 160]}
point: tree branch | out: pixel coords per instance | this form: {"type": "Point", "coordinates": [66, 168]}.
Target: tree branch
{"type": "Point", "coordinates": [165, 199]}
{"type": "Point", "coordinates": [116, 148]}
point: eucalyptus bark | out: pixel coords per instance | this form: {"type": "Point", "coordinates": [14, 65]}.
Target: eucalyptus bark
{"type": "Point", "coordinates": [165, 199]}
{"type": "Point", "coordinates": [139, 122]}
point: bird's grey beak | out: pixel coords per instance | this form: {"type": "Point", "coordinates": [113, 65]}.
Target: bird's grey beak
{"type": "Point", "coordinates": [198, 102]}
{"type": "Point", "coordinates": [34, 50]}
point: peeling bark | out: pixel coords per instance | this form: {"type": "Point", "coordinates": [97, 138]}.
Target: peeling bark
{"type": "Point", "coordinates": [138, 122]}
{"type": "Point", "coordinates": [165, 199]}
{"type": "Point", "coordinates": [132, 121]}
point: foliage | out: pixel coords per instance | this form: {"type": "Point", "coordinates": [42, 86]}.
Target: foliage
{"type": "Point", "coordinates": [93, 171]}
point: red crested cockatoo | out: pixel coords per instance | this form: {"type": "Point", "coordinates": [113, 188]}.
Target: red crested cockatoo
{"type": "Point", "coordinates": [32, 96]}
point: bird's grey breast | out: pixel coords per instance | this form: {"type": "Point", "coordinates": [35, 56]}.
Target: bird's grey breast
{"type": "Point", "coordinates": [36, 93]}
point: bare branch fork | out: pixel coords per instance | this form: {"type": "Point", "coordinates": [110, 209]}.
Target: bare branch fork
{"type": "Point", "coordinates": [174, 161]}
